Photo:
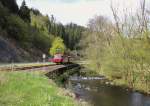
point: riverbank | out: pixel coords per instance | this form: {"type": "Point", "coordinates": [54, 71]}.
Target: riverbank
{"type": "Point", "coordinates": [33, 89]}
{"type": "Point", "coordinates": [138, 86]}
{"type": "Point", "coordinates": [98, 92]}
{"type": "Point", "coordinates": [142, 88]}
{"type": "Point", "coordinates": [134, 84]}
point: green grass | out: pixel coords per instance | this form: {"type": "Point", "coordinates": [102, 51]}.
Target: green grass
{"type": "Point", "coordinates": [31, 89]}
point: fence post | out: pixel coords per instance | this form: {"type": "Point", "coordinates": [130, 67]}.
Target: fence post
{"type": "Point", "coordinates": [12, 66]}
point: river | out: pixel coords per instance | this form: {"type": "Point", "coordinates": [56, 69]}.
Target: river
{"type": "Point", "coordinates": [95, 91]}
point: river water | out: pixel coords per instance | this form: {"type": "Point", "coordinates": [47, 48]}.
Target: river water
{"type": "Point", "coordinates": [95, 91]}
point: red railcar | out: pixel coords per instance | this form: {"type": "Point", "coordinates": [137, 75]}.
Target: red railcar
{"type": "Point", "coordinates": [58, 58]}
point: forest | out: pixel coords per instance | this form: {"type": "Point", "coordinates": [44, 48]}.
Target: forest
{"type": "Point", "coordinates": [34, 32]}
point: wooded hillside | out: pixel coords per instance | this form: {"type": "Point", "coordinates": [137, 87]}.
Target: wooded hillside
{"type": "Point", "coordinates": [30, 31]}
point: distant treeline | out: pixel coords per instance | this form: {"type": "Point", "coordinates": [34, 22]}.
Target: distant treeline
{"type": "Point", "coordinates": [31, 29]}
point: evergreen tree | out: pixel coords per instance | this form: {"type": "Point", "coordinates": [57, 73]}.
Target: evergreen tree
{"type": "Point", "coordinates": [24, 12]}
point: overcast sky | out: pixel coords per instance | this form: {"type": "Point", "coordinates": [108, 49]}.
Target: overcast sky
{"type": "Point", "coordinates": [79, 11]}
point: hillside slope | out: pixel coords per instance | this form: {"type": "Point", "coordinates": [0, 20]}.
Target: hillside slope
{"type": "Point", "coordinates": [11, 52]}
{"type": "Point", "coordinates": [26, 34]}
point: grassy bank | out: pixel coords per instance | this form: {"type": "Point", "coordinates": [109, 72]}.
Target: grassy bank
{"type": "Point", "coordinates": [136, 81]}
{"type": "Point", "coordinates": [139, 86]}
{"type": "Point", "coordinates": [32, 89]}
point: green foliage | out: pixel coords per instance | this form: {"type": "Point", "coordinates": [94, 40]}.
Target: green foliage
{"type": "Point", "coordinates": [11, 5]}
{"type": "Point", "coordinates": [17, 28]}
{"type": "Point", "coordinates": [117, 56]}
{"type": "Point", "coordinates": [4, 12]}
{"type": "Point", "coordinates": [42, 41]}
{"type": "Point", "coordinates": [34, 32]}
{"type": "Point", "coordinates": [24, 12]}
{"type": "Point", "coordinates": [38, 21]}
{"type": "Point", "coordinates": [70, 33]}
{"type": "Point", "coordinates": [57, 46]}
{"type": "Point", "coordinates": [74, 33]}
{"type": "Point", "coordinates": [26, 36]}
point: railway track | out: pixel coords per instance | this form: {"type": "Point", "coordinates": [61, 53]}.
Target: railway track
{"type": "Point", "coordinates": [18, 67]}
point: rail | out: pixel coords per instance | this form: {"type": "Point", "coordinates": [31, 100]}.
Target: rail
{"type": "Point", "coordinates": [23, 66]}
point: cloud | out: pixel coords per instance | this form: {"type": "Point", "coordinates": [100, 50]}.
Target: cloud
{"type": "Point", "coordinates": [78, 11]}
{"type": "Point", "coordinates": [71, 1]}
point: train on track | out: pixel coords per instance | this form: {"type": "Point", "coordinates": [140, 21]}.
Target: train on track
{"type": "Point", "coordinates": [60, 58]}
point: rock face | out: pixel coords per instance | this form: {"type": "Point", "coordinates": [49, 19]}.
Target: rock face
{"type": "Point", "coordinates": [8, 53]}
{"type": "Point", "coordinates": [11, 52]}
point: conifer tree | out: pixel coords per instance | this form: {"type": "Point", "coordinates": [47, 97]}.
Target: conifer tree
{"type": "Point", "coordinates": [24, 12]}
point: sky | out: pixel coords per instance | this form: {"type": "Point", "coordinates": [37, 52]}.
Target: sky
{"type": "Point", "coordinates": [79, 11]}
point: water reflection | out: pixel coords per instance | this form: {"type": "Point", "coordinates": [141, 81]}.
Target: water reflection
{"type": "Point", "coordinates": [100, 94]}
{"type": "Point", "coordinates": [137, 99]}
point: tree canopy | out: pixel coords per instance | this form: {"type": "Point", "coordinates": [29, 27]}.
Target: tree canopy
{"type": "Point", "coordinates": [57, 46]}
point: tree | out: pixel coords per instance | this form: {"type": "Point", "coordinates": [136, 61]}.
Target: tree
{"type": "Point", "coordinates": [120, 49]}
{"type": "Point", "coordinates": [73, 33]}
{"type": "Point", "coordinates": [58, 46]}
{"type": "Point", "coordinates": [95, 41]}
{"type": "Point", "coordinates": [11, 5]}
{"type": "Point", "coordinates": [24, 12]}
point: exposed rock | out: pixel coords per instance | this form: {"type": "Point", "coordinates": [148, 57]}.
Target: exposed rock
{"type": "Point", "coordinates": [10, 51]}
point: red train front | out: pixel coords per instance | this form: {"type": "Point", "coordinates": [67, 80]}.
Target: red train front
{"type": "Point", "coordinates": [58, 58]}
